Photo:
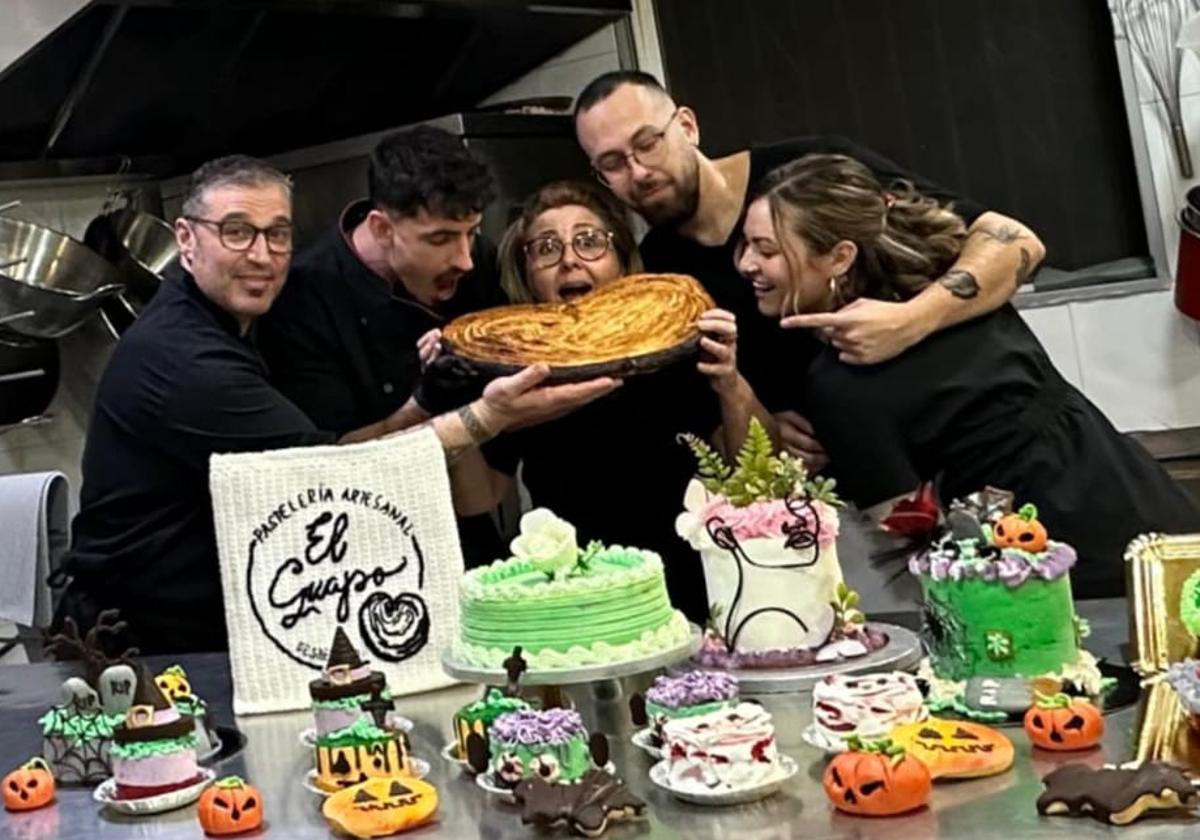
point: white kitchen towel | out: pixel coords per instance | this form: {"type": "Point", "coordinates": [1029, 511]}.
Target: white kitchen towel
{"type": "Point", "coordinates": [34, 521]}
{"type": "Point", "coordinates": [361, 537]}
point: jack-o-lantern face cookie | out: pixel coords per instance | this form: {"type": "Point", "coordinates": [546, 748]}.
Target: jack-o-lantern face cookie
{"type": "Point", "coordinates": [956, 749]}
{"type": "Point", "coordinates": [380, 807]}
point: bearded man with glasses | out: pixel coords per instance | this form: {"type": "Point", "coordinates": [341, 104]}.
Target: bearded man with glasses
{"type": "Point", "coordinates": [645, 148]}
{"type": "Point", "coordinates": [186, 382]}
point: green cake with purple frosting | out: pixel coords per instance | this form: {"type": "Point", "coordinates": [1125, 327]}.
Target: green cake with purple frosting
{"type": "Point", "coordinates": [551, 744]}
{"type": "Point", "coordinates": [687, 695]}
{"type": "Point", "coordinates": [997, 600]}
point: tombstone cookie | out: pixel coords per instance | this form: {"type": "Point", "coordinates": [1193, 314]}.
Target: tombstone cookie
{"type": "Point", "coordinates": [77, 734]}
{"type": "Point", "coordinates": [1116, 796]}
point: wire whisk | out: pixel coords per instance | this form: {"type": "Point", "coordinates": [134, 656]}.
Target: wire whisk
{"type": "Point", "coordinates": [1152, 27]}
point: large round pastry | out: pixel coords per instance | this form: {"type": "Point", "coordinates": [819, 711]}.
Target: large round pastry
{"type": "Point", "coordinates": [566, 607]}
{"type": "Point", "coordinates": [632, 325]}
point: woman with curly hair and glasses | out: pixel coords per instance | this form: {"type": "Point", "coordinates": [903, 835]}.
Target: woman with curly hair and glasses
{"type": "Point", "coordinates": [975, 405]}
{"type": "Point", "coordinates": [615, 469]}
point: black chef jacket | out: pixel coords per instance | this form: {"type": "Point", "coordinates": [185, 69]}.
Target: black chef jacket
{"type": "Point", "coordinates": [182, 384]}
{"type": "Point", "coordinates": [766, 354]}
{"type": "Point", "coordinates": [341, 343]}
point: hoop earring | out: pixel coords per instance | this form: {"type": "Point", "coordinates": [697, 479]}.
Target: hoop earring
{"type": "Point", "coordinates": [837, 285]}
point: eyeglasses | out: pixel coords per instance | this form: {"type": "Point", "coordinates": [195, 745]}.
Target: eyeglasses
{"type": "Point", "coordinates": [589, 245]}
{"type": "Point", "coordinates": [237, 235]}
{"type": "Point", "coordinates": [648, 150]}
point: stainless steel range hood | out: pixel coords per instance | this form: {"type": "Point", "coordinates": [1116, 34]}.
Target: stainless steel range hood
{"type": "Point", "coordinates": [169, 83]}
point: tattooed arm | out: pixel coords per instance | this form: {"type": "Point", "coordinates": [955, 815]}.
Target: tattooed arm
{"type": "Point", "coordinates": [999, 255]}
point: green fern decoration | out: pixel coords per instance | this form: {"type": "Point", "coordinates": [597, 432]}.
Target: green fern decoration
{"type": "Point", "coordinates": [760, 475]}
{"type": "Point", "coordinates": [713, 470]}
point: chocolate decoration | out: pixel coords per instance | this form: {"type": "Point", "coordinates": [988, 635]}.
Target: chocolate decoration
{"type": "Point", "coordinates": [799, 536]}
{"type": "Point", "coordinates": [377, 706]}
{"type": "Point", "coordinates": [147, 693]}
{"type": "Point", "coordinates": [598, 746]}
{"type": "Point", "coordinates": [587, 806]}
{"type": "Point", "coordinates": [637, 710]}
{"type": "Point", "coordinates": [363, 796]}
{"type": "Point", "coordinates": [478, 756]}
{"type": "Point", "coordinates": [322, 689]}
{"type": "Point", "coordinates": [70, 645]}
{"type": "Point", "coordinates": [342, 652]}
{"type": "Point", "coordinates": [514, 666]}
{"type": "Point", "coordinates": [186, 725]}
{"type": "Point", "coordinates": [1115, 796]}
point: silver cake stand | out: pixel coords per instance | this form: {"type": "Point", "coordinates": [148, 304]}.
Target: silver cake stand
{"type": "Point", "coordinates": [575, 676]}
{"type": "Point", "coordinates": [902, 652]}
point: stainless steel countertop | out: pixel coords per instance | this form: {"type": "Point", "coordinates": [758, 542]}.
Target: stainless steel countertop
{"type": "Point", "coordinates": [1002, 806]}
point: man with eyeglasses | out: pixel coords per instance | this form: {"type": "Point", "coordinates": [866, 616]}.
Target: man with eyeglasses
{"type": "Point", "coordinates": [645, 148]}
{"type": "Point", "coordinates": [341, 342]}
{"type": "Point", "coordinates": [185, 382]}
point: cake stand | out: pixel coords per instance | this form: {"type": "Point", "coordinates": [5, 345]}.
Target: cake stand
{"type": "Point", "coordinates": [902, 652]}
{"type": "Point", "coordinates": [551, 680]}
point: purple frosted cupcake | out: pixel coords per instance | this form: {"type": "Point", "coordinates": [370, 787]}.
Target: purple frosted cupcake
{"type": "Point", "coordinates": [689, 694]}
{"type": "Point", "coordinates": [550, 743]}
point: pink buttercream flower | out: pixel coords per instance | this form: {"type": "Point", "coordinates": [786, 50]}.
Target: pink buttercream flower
{"type": "Point", "coordinates": [767, 520]}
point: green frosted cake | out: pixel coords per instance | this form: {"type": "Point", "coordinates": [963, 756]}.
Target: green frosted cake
{"type": "Point", "coordinates": [998, 604]}
{"type": "Point", "coordinates": [565, 607]}
{"type": "Point", "coordinates": [479, 716]}
{"type": "Point", "coordinates": [551, 744]}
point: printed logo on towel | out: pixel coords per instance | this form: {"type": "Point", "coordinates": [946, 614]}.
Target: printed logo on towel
{"type": "Point", "coordinates": [304, 574]}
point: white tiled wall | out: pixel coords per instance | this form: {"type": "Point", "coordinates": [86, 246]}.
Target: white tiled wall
{"type": "Point", "coordinates": [1137, 357]}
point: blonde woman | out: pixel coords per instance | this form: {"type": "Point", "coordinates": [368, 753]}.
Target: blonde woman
{"type": "Point", "coordinates": [614, 470]}
{"type": "Point", "coordinates": [974, 405]}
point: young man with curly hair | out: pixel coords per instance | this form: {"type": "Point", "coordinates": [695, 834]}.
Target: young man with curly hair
{"type": "Point", "coordinates": [341, 340]}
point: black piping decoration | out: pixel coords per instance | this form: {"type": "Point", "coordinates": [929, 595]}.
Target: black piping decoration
{"type": "Point", "coordinates": [799, 537]}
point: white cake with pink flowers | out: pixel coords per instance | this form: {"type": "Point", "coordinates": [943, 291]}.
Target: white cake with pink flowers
{"type": "Point", "coordinates": [767, 539]}
{"type": "Point", "coordinates": [154, 750]}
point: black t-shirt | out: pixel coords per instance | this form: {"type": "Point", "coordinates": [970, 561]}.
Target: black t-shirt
{"type": "Point", "coordinates": [764, 350]}
{"type": "Point", "coordinates": [616, 470]}
{"type": "Point", "coordinates": [342, 344]}
{"type": "Point", "coordinates": [980, 404]}
{"type": "Point", "coordinates": [182, 384]}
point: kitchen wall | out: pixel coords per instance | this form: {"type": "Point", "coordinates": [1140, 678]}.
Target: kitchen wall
{"type": "Point", "coordinates": [58, 445]}
{"type": "Point", "coordinates": [1137, 357]}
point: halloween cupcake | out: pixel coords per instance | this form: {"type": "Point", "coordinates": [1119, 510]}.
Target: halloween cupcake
{"type": "Point", "coordinates": [154, 750]}
{"type": "Point", "coordinates": [687, 695]}
{"type": "Point", "coordinates": [344, 686]}
{"type": "Point", "coordinates": [551, 743]}
{"type": "Point", "coordinates": [173, 682]}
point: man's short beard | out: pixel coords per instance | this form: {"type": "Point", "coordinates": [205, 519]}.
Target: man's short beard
{"type": "Point", "coordinates": [686, 201]}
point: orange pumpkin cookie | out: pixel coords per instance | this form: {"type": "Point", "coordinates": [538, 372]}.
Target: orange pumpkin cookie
{"type": "Point", "coordinates": [30, 786]}
{"type": "Point", "coordinates": [877, 779]}
{"type": "Point", "coordinates": [230, 806]}
{"type": "Point", "coordinates": [1063, 723]}
{"type": "Point", "coordinates": [956, 750]}
{"type": "Point", "coordinates": [379, 807]}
